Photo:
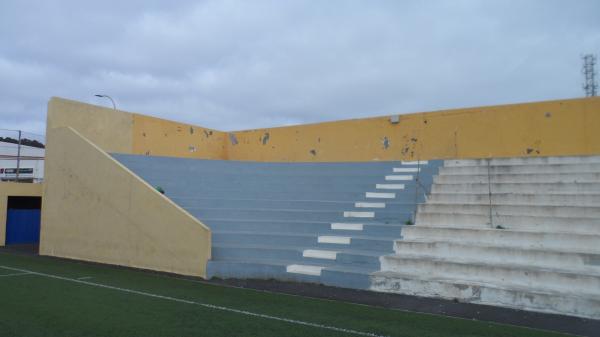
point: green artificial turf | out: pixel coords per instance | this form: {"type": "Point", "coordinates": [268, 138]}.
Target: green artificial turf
{"type": "Point", "coordinates": [35, 305]}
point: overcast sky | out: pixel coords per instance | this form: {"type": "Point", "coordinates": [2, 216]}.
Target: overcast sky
{"type": "Point", "coordinates": [235, 65]}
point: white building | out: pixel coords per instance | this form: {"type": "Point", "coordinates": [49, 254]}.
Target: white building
{"type": "Point", "coordinates": [31, 165]}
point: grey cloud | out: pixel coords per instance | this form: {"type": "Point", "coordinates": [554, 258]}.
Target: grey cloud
{"type": "Point", "coordinates": [248, 64]}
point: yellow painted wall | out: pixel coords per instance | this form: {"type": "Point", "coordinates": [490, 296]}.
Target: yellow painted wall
{"type": "Point", "coordinates": [553, 128]}
{"type": "Point", "coordinates": [11, 189]}
{"type": "Point", "coordinates": [160, 137]}
{"type": "Point", "coordinates": [95, 209]}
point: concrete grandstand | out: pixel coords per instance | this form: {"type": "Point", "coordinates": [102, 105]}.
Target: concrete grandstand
{"type": "Point", "coordinates": [492, 205]}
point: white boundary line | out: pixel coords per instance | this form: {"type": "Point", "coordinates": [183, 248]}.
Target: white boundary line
{"type": "Point", "coordinates": [206, 305]}
{"type": "Point", "coordinates": [15, 274]}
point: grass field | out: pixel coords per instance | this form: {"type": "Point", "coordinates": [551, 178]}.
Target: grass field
{"type": "Point", "coordinates": [43, 296]}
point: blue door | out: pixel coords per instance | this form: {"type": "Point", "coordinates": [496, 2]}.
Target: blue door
{"type": "Point", "coordinates": [22, 226]}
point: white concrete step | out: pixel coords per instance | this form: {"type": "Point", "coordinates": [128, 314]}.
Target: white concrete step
{"type": "Point", "coordinates": [505, 274]}
{"type": "Point", "coordinates": [563, 260]}
{"type": "Point", "coordinates": [338, 240]}
{"type": "Point", "coordinates": [524, 161]}
{"type": "Point", "coordinates": [527, 188]}
{"type": "Point", "coordinates": [357, 214]}
{"type": "Point", "coordinates": [585, 243]}
{"type": "Point", "coordinates": [379, 195]}
{"type": "Point", "coordinates": [347, 226]}
{"type": "Point", "coordinates": [473, 292]}
{"type": "Point", "coordinates": [320, 254]}
{"type": "Point", "coordinates": [518, 178]}
{"type": "Point", "coordinates": [406, 169]}
{"type": "Point", "coordinates": [389, 186]}
{"type": "Point", "coordinates": [543, 224]}
{"type": "Point", "coordinates": [304, 269]}
{"type": "Point", "coordinates": [516, 198]}
{"type": "Point", "coordinates": [361, 204]}
{"type": "Point", "coordinates": [520, 169]}
{"type": "Point", "coordinates": [524, 210]}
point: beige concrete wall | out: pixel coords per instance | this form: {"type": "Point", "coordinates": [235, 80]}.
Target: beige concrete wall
{"type": "Point", "coordinates": [95, 209]}
{"type": "Point", "coordinates": [8, 189]}
{"type": "Point", "coordinates": [109, 129]}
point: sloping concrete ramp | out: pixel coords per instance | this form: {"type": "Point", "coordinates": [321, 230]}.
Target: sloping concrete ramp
{"type": "Point", "coordinates": [517, 232]}
{"type": "Point", "coordinates": [312, 222]}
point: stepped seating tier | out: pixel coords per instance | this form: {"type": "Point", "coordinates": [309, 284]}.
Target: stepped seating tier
{"type": "Point", "coordinates": [515, 232]}
{"type": "Point", "coordinates": [311, 222]}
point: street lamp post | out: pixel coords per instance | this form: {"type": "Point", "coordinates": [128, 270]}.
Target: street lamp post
{"type": "Point", "coordinates": [106, 96]}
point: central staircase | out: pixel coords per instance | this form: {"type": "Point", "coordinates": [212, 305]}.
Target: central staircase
{"type": "Point", "coordinates": [325, 223]}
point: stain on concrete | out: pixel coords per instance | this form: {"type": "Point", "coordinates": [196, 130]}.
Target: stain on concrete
{"type": "Point", "coordinates": [386, 143]}
{"type": "Point", "coordinates": [143, 134]}
{"type": "Point", "coordinates": [147, 153]}
{"type": "Point", "coordinates": [319, 140]}
{"type": "Point", "coordinates": [191, 130]}
{"type": "Point", "coordinates": [313, 152]}
{"type": "Point", "coordinates": [233, 139]}
{"type": "Point", "coordinates": [265, 138]}
{"type": "Point", "coordinates": [179, 129]}
{"type": "Point", "coordinates": [548, 114]}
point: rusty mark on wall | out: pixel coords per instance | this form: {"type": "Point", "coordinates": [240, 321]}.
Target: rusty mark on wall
{"type": "Point", "coordinates": [409, 146]}
{"type": "Point", "coordinates": [191, 130]}
{"type": "Point", "coordinates": [535, 148]}
{"type": "Point", "coordinates": [265, 138]}
{"type": "Point", "coordinates": [313, 152]}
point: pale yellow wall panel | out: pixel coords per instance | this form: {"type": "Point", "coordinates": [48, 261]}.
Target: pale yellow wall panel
{"type": "Point", "coordinates": [11, 189]}
{"type": "Point", "coordinates": [109, 129]}
{"type": "Point", "coordinates": [95, 209]}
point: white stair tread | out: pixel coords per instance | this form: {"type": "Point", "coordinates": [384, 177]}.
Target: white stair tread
{"type": "Point", "coordinates": [391, 274]}
{"type": "Point", "coordinates": [390, 186]}
{"type": "Point", "coordinates": [399, 177]}
{"type": "Point", "coordinates": [320, 254]}
{"type": "Point", "coordinates": [499, 230]}
{"type": "Point", "coordinates": [358, 214]}
{"type": "Point", "coordinates": [341, 240]}
{"type": "Point", "coordinates": [347, 226]}
{"type": "Point", "coordinates": [481, 245]}
{"type": "Point", "coordinates": [304, 269]}
{"type": "Point", "coordinates": [380, 195]}
{"type": "Point", "coordinates": [479, 263]}
{"type": "Point", "coordinates": [361, 204]}
{"type": "Point", "coordinates": [405, 169]}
